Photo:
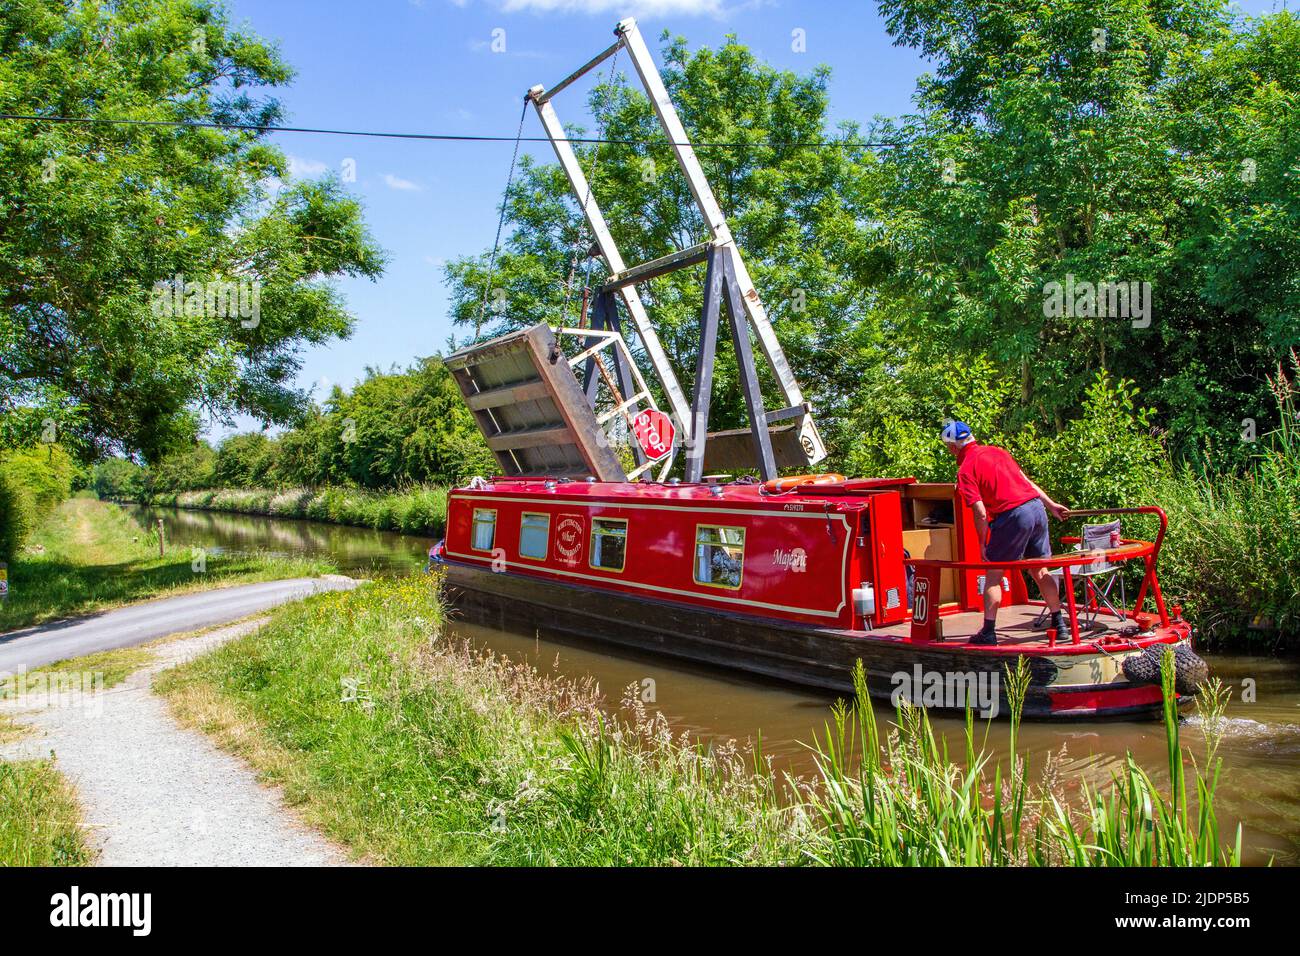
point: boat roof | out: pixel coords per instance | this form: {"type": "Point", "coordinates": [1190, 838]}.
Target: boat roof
{"type": "Point", "coordinates": [839, 497]}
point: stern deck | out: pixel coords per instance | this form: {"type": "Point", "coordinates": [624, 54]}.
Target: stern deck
{"type": "Point", "coordinates": [1015, 629]}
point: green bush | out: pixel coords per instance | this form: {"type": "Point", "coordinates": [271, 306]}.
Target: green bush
{"type": "Point", "coordinates": [17, 516]}
{"type": "Point", "coordinates": [32, 482]}
{"type": "Point", "coordinates": [1103, 458]}
{"type": "Point", "coordinates": [1233, 551]}
{"type": "Point", "coordinates": [1107, 457]}
{"type": "Point", "coordinates": [117, 479]}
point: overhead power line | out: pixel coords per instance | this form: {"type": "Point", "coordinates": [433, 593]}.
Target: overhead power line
{"type": "Point", "coordinates": [437, 137]}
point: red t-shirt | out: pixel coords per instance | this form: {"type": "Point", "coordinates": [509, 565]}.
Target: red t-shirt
{"type": "Point", "coordinates": [989, 474]}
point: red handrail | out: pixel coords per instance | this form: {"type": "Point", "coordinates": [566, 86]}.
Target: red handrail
{"type": "Point", "coordinates": [1129, 548]}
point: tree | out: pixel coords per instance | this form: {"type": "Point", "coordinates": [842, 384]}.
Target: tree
{"type": "Point", "coordinates": [118, 479]}
{"type": "Point", "coordinates": [183, 469]}
{"type": "Point", "coordinates": [246, 460]}
{"type": "Point", "coordinates": [1143, 142]}
{"type": "Point", "coordinates": [150, 271]}
{"type": "Point", "coordinates": [32, 482]}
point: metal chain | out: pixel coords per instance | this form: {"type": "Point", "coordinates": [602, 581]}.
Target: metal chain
{"type": "Point", "coordinates": [496, 243]}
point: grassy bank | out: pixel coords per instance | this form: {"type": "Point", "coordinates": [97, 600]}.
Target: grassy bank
{"type": "Point", "coordinates": [412, 750]}
{"type": "Point", "coordinates": [89, 555]}
{"type": "Point", "coordinates": [417, 510]}
{"type": "Point", "coordinates": [40, 821]}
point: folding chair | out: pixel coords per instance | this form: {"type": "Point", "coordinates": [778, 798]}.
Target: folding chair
{"type": "Point", "coordinates": [1101, 577]}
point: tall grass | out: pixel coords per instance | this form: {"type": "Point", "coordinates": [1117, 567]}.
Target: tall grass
{"type": "Point", "coordinates": [902, 801]}
{"type": "Point", "coordinates": [1135, 824]}
{"type": "Point", "coordinates": [417, 510]}
{"type": "Point", "coordinates": [1233, 551]}
{"type": "Point", "coordinates": [447, 756]}
{"type": "Point", "coordinates": [452, 756]}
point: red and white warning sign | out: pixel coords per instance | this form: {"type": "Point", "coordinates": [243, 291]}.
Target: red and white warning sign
{"type": "Point", "coordinates": [654, 433]}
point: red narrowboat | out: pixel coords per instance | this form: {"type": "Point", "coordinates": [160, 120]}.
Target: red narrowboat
{"type": "Point", "coordinates": [790, 578]}
{"type": "Point", "coordinates": [800, 584]}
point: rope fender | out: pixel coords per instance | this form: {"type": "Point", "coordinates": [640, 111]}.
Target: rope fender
{"type": "Point", "coordinates": [1190, 672]}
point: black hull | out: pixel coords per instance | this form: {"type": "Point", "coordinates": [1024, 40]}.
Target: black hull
{"type": "Point", "coordinates": [810, 657]}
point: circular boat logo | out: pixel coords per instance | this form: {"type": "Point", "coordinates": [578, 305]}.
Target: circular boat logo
{"type": "Point", "coordinates": [568, 538]}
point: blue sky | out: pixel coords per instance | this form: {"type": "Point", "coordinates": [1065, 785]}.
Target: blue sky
{"type": "Point", "coordinates": [429, 66]}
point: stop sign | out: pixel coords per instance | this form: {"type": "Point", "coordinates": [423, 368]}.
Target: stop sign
{"type": "Point", "coordinates": [654, 433]}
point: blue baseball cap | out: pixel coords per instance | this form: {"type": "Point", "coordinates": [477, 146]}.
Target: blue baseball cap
{"type": "Point", "coordinates": [955, 432]}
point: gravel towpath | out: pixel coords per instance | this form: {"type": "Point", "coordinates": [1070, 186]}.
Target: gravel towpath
{"type": "Point", "coordinates": [157, 794]}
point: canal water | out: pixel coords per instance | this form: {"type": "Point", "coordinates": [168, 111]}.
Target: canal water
{"type": "Point", "coordinates": [1260, 784]}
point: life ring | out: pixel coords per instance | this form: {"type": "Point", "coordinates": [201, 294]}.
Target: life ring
{"type": "Point", "coordinates": [779, 485]}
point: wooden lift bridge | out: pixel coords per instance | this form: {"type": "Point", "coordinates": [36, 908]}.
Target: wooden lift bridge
{"type": "Point", "coordinates": [536, 417]}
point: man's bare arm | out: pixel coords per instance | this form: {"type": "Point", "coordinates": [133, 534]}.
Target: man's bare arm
{"type": "Point", "coordinates": [981, 524]}
{"type": "Point", "coordinates": [1058, 511]}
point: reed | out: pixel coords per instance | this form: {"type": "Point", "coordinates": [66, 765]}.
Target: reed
{"type": "Point", "coordinates": [1233, 551]}
{"type": "Point", "coordinates": [902, 802]}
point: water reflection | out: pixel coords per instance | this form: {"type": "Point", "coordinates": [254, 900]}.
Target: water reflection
{"type": "Point", "coordinates": [354, 550]}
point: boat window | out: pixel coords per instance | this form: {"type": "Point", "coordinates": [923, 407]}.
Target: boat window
{"type": "Point", "coordinates": [485, 530]}
{"type": "Point", "coordinates": [534, 535]}
{"type": "Point", "coordinates": [719, 556]}
{"type": "Point", "coordinates": [608, 543]}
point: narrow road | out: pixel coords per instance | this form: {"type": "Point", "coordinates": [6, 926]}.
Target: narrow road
{"type": "Point", "coordinates": [154, 793]}
{"type": "Point", "coordinates": [34, 647]}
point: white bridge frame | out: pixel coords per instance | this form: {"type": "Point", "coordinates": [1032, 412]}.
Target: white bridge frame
{"type": "Point", "coordinates": [626, 405]}
{"type": "Point", "coordinates": [719, 250]}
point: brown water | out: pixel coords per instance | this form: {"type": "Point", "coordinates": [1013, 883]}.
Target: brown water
{"type": "Point", "coordinates": [1259, 787]}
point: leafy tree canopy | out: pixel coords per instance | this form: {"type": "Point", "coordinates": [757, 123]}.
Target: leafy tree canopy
{"type": "Point", "coordinates": [93, 216]}
{"type": "Point", "coordinates": [1145, 142]}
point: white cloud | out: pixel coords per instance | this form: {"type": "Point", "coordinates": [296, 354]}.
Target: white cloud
{"type": "Point", "coordinates": [397, 182]}
{"type": "Point", "coordinates": [620, 7]}
{"type": "Point", "coordinates": [300, 168]}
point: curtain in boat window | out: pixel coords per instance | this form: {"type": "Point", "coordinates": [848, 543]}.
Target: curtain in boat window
{"type": "Point", "coordinates": [485, 530]}
{"type": "Point", "coordinates": [534, 536]}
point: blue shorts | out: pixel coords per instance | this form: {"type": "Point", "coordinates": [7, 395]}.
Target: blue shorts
{"type": "Point", "coordinates": [1019, 533]}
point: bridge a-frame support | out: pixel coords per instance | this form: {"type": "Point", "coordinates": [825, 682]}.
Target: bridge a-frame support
{"type": "Point", "coordinates": [727, 275]}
